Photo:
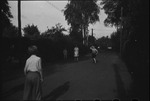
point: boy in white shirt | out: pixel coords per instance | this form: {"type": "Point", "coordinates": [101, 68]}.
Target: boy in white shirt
{"type": "Point", "coordinates": [34, 77]}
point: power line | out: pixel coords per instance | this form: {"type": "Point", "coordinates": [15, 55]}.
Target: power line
{"type": "Point", "coordinates": [54, 6]}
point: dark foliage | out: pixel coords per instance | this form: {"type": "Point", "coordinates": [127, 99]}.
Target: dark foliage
{"type": "Point", "coordinates": [79, 14]}
{"type": "Point", "coordinates": [135, 38]}
{"type": "Point", "coordinates": [5, 15]}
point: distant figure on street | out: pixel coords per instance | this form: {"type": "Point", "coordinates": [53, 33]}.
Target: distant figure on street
{"type": "Point", "coordinates": [94, 53]}
{"type": "Point", "coordinates": [76, 53]}
{"type": "Point", "coordinates": [34, 77]}
{"type": "Point", "coordinates": [65, 54]}
{"type": "Point", "coordinates": [99, 49]}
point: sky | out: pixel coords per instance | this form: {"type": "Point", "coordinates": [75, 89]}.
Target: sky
{"type": "Point", "coordinates": [46, 14]}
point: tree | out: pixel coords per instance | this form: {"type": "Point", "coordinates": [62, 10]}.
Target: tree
{"type": "Point", "coordinates": [11, 31]}
{"type": "Point", "coordinates": [135, 19]}
{"type": "Point", "coordinates": [5, 15]}
{"type": "Point", "coordinates": [115, 39]}
{"type": "Point", "coordinates": [55, 33]}
{"type": "Point", "coordinates": [135, 35]}
{"type": "Point", "coordinates": [103, 42]}
{"type": "Point", "coordinates": [81, 14]}
{"type": "Point", "coordinates": [31, 31]}
{"type": "Point", "coordinates": [91, 40]}
{"type": "Point", "coordinates": [113, 10]}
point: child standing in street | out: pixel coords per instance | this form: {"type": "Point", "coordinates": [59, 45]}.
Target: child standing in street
{"type": "Point", "coordinates": [94, 53]}
{"type": "Point", "coordinates": [34, 77]}
{"type": "Point", "coordinates": [65, 54]}
{"type": "Point", "coordinates": [76, 53]}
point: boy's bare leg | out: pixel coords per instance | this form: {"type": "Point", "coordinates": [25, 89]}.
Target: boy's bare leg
{"type": "Point", "coordinates": [94, 60]}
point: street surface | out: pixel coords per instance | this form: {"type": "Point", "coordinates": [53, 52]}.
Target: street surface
{"type": "Point", "coordinates": [83, 80]}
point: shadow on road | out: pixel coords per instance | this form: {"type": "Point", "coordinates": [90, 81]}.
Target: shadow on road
{"type": "Point", "coordinates": [58, 92]}
{"type": "Point", "coordinates": [120, 85]}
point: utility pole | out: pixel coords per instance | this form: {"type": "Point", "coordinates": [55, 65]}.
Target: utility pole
{"type": "Point", "coordinates": [19, 18]}
{"type": "Point", "coordinates": [93, 41]}
{"type": "Point", "coordinates": [121, 31]}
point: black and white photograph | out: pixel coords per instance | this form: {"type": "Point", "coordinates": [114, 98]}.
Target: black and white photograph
{"type": "Point", "coordinates": [96, 50]}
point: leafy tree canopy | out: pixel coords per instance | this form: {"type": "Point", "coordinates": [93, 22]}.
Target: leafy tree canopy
{"type": "Point", "coordinates": [79, 14]}
{"type": "Point", "coordinates": [5, 14]}
{"type": "Point", "coordinates": [31, 31]}
{"type": "Point", "coordinates": [55, 32]}
{"type": "Point", "coordinates": [11, 31]}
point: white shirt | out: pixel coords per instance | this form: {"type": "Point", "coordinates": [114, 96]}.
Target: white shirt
{"type": "Point", "coordinates": [33, 63]}
{"type": "Point", "coordinates": [76, 51]}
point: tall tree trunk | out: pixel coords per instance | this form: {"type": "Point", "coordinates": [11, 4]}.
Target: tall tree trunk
{"type": "Point", "coordinates": [19, 18]}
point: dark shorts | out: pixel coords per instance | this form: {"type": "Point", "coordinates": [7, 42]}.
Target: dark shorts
{"type": "Point", "coordinates": [93, 55]}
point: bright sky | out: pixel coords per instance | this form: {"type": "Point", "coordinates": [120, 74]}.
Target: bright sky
{"type": "Point", "coordinates": [46, 14]}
